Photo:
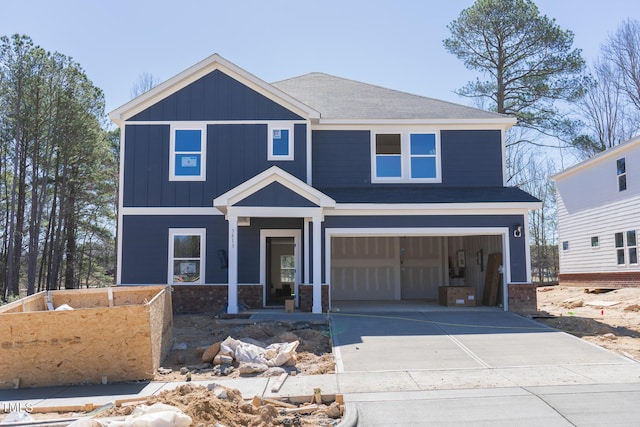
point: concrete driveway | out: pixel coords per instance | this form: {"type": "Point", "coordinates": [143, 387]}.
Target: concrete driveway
{"type": "Point", "coordinates": [400, 365]}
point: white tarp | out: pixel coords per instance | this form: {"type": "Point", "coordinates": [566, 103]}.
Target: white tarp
{"type": "Point", "coordinates": [276, 354]}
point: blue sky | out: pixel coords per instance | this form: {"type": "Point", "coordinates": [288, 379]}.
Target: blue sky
{"type": "Point", "coordinates": [396, 44]}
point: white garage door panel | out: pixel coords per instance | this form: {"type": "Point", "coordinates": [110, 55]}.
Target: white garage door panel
{"type": "Point", "coordinates": [365, 268]}
{"type": "Point", "coordinates": [421, 267]}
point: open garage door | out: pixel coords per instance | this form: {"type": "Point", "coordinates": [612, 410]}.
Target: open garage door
{"type": "Point", "coordinates": [387, 267]}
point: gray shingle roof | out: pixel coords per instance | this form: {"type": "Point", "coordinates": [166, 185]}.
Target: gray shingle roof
{"type": "Point", "coordinates": [416, 194]}
{"type": "Point", "coordinates": [339, 98]}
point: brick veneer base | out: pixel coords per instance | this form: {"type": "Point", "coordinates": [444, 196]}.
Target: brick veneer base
{"type": "Point", "coordinates": [602, 280]}
{"type": "Point", "coordinates": [187, 299]}
{"type": "Point", "coordinates": [522, 298]}
{"type": "Point", "coordinates": [305, 302]}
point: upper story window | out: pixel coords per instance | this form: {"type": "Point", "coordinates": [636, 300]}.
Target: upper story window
{"type": "Point", "coordinates": [280, 145]}
{"type": "Point", "coordinates": [621, 171]}
{"type": "Point", "coordinates": [595, 242]}
{"type": "Point", "coordinates": [405, 157]}
{"type": "Point", "coordinates": [188, 154]}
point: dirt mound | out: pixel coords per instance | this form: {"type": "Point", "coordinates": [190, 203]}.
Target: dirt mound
{"type": "Point", "coordinates": [226, 406]}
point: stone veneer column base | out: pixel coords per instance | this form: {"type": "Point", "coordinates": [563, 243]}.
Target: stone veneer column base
{"type": "Point", "coordinates": [522, 298]}
{"type": "Point", "coordinates": [189, 299]}
{"type": "Point", "coordinates": [305, 301]}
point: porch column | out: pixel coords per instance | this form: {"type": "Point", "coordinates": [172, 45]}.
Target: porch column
{"type": "Point", "coordinates": [233, 266]}
{"type": "Point", "coordinates": [317, 265]}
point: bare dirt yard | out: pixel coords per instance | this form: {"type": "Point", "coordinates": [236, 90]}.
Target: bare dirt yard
{"type": "Point", "coordinates": [194, 333]}
{"type": "Point", "coordinates": [610, 319]}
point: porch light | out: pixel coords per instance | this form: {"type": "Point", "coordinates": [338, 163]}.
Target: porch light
{"type": "Point", "coordinates": [517, 232]}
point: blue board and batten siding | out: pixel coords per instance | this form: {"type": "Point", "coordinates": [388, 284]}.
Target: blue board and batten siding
{"type": "Point", "coordinates": [470, 158]}
{"type": "Point", "coordinates": [145, 249]}
{"type": "Point", "coordinates": [215, 96]}
{"type": "Point", "coordinates": [235, 153]}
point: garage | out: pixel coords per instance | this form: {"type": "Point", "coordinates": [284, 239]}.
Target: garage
{"type": "Point", "coordinates": [412, 267]}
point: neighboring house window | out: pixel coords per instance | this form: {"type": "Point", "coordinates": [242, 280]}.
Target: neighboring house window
{"type": "Point", "coordinates": [632, 247]}
{"type": "Point", "coordinates": [186, 255]}
{"type": "Point", "coordinates": [188, 154]}
{"type": "Point", "coordinates": [595, 242]}
{"type": "Point", "coordinates": [287, 268]}
{"type": "Point", "coordinates": [619, 237]}
{"type": "Point", "coordinates": [622, 174]}
{"type": "Point", "coordinates": [405, 157]}
{"type": "Point", "coordinates": [280, 144]}
{"type": "Point", "coordinates": [565, 245]}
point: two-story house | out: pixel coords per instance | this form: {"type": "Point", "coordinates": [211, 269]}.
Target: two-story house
{"type": "Point", "coordinates": [599, 219]}
{"type": "Point", "coordinates": [242, 193]}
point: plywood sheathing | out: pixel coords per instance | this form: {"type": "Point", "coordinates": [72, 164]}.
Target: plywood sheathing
{"type": "Point", "coordinates": [124, 343]}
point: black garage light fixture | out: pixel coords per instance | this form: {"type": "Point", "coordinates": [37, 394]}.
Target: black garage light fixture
{"type": "Point", "coordinates": [517, 231]}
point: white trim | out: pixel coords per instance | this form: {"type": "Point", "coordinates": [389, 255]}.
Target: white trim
{"type": "Point", "coordinates": [309, 150]}
{"type": "Point", "coordinates": [120, 209]}
{"type": "Point", "coordinates": [503, 149]}
{"type": "Point", "coordinates": [210, 122]}
{"type": "Point", "coordinates": [306, 249]}
{"type": "Point", "coordinates": [405, 157]}
{"type": "Point", "coordinates": [374, 209]}
{"type": "Point", "coordinates": [199, 70]}
{"type": "Point", "coordinates": [502, 123]}
{"type": "Point", "coordinates": [273, 126]}
{"type": "Point", "coordinates": [203, 151]}
{"type": "Point", "coordinates": [426, 231]}
{"type": "Point", "coordinates": [263, 179]}
{"type": "Point", "coordinates": [182, 211]}
{"type": "Point", "coordinates": [273, 212]}
{"type": "Point", "coordinates": [232, 265]}
{"type": "Point", "coordinates": [202, 233]}
{"type": "Point", "coordinates": [264, 233]}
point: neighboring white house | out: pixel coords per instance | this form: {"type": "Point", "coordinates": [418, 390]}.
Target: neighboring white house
{"type": "Point", "coordinates": [599, 219]}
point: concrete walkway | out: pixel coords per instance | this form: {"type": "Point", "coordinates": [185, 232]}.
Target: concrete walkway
{"type": "Point", "coordinates": [477, 367]}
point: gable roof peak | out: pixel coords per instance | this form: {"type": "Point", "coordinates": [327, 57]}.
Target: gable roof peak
{"type": "Point", "coordinates": [200, 69]}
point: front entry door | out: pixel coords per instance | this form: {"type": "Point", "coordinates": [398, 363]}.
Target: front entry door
{"type": "Point", "coordinates": [280, 261]}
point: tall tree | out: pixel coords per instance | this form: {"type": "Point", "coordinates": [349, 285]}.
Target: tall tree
{"type": "Point", "coordinates": [146, 81]}
{"type": "Point", "coordinates": [608, 116]}
{"type": "Point", "coordinates": [622, 50]}
{"type": "Point", "coordinates": [57, 170]}
{"type": "Point", "coordinates": [526, 60]}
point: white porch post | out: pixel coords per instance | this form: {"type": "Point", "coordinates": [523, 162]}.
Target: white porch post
{"type": "Point", "coordinates": [317, 265]}
{"type": "Point", "coordinates": [233, 265]}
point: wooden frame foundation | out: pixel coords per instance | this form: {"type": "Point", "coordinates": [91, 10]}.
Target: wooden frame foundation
{"type": "Point", "coordinates": [110, 335]}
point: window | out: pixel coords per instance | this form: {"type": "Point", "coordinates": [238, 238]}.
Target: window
{"type": "Point", "coordinates": [280, 146]}
{"type": "Point", "coordinates": [565, 245]}
{"type": "Point", "coordinates": [187, 158]}
{"type": "Point", "coordinates": [423, 155]}
{"type": "Point", "coordinates": [186, 255]}
{"type": "Point", "coordinates": [405, 157]}
{"type": "Point", "coordinates": [388, 156]}
{"type": "Point", "coordinates": [595, 242]}
{"type": "Point", "coordinates": [287, 268]}
{"type": "Point", "coordinates": [619, 238]}
{"type": "Point", "coordinates": [631, 247]}
{"type": "Point", "coordinates": [622, 174]}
